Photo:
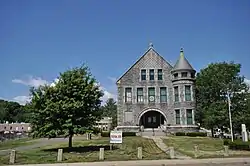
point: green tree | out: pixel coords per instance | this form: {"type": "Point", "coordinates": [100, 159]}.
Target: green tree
{"type": "Point", "coordinates": [70, 107]}
{"type": "Point", "coordinates": [110, 110]}
{"type": "Point", "coordinates": [212, 86]}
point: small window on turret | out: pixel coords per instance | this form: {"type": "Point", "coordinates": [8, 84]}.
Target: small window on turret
{"type": "Point", "coordinates": [192, 75]}
{"type": "Point", "coordinates": [176, 75]}
{"type": "Point", "coordinates": [184, 74]}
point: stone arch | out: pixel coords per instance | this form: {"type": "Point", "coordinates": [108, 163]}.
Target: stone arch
{"type": "Point", "coordinates": [150, 110]}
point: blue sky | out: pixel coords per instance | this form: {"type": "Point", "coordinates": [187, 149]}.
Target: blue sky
{"type": "Point", "coordinates": [39, 39]}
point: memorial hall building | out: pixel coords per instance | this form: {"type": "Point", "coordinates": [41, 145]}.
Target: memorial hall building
{"type": "Point", "coordinates": [155, 94]}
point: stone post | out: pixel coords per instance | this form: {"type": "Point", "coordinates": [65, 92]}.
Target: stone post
{"type": "Point", "coordinates": [139, 152]}
{"type": "Point", "coordinates": [171, 152]}
{"type": "Point", "coordinates": [244, 133]}
{"type": "Point", "coordinates": [101, 154]}
{"type": "Point", "coordinates": [12, 157]}
{"type": "Point", "coordinates": [87, 136]}
{"type": "Point", "coordinates": [60, 155]}
{"type": "Point", "coordinates": [226, 153]}
{"type": "Point", "coordinates": [196, 151]}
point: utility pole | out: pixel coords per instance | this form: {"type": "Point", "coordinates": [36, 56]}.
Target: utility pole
{"type": "Point", "coordinates": [230, 116]}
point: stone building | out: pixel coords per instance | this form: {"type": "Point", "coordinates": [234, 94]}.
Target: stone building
{"type": "Point", "coordinates": [153, 94]}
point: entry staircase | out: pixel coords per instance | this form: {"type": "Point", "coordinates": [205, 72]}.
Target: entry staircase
{"type": "Point", "coordinates": [152, 132]}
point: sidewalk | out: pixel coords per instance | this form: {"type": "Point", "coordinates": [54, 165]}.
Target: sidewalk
{"type": "Point", "coordinates": [189, 162]}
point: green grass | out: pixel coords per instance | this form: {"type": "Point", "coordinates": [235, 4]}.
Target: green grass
{"type": "Point", "coordinates": [208, 147]}
{"type": "Point", "coordinates": [15, 143]}
{"type": "Point", "coordinates": [83, 153]}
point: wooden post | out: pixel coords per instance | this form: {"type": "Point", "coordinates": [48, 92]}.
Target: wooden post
{"type": "Point", "coordinates": [196, 151]}
{"type": "Point", "coordinates": [139, 153]}
{"type": "Point", "coordinates": [12, 157]}
{"type": "Point", "coordinates": [226, 153]}
{"type": "Point", "coordinates": [101, 154]}
{"type": "Point", "coordinates": [60, 155]}
{"type": "Point", "coordinates": [171, 152]}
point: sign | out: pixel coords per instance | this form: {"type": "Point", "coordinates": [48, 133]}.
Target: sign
{"type": "Point", "coordinates": [116, 137]}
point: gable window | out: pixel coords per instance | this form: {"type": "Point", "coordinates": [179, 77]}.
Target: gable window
{"type": "Point", "coordinates": [128, 95]}
{"type": "Point", "coordinates": [159, 74]}
{"type": "Point", "coordinates": [177, 117]}
{"type": "Point", "coordinates": [187, 93]}
{"type": "Point", "coordinates": [143, 74]}
{"type": "Point", "coordinates": [139, 95]}
{"type": "Point", "coordinates": [176, 94]}
{"type": "Point", "coordinates": [151, 94]}
{"type": "Point", "coordinates": [176, 75]}
{"type": "Point", "coordinates": [163, 94]}
{"type": "Point", "coordinates": [151, 74]}
{"type": "Point", "coordinates": [189, 114]}
{"type": "Point", "coordinates": [184, 74]}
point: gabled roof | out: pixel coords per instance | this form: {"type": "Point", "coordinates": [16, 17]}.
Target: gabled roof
{"type": "Point", "coordinates": [151, 48]}
{"type": "Point", "coordinates": [182, 63]}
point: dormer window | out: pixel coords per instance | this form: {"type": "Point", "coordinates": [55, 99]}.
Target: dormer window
{"type": "Point", "coordinates": [151, 74]}
{"type": "Point", "coordinates": [159, 74]}
{"type": "Point", "coordinates": [143, 74]}
{"type": "Point", "coordinates": [184, 74]}
{"type": "Point", "coordinates": [176, 75]}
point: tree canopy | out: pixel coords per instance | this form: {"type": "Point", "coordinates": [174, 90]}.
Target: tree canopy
{"type": "Point", "coordinates": [213, 83]}
{"type": "Point", "coordinates": [110, 110]}
{"type": "Point", "coordinates": [12, 112]}
{"type": "Point", "coordinates": [70, 107]}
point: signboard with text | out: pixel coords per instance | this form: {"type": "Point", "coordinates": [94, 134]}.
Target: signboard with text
{"type": "Point", "coordinates": [116, 137]}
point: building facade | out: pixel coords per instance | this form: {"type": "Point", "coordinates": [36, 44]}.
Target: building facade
{"type": "Point", "coordinates": [153, 93]}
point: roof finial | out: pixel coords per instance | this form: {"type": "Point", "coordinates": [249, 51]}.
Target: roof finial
{"type": "Point", "coordinates": [151, 45]}
{"type": "Point", "coordinates": [182, 52]}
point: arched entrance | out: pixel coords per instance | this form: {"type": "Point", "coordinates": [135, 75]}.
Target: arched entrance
{"type": "Point", "coordinates": [151, 118]}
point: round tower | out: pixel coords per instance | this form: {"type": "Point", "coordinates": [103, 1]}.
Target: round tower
{"type": "Point", "coordinates": [183, 81]}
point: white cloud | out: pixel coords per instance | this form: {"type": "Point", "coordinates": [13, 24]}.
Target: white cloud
{"type": "Point", "coordinates": [247, 81]}
{"type": "Point", "coordinates": [31, 81]}
{"type": "Point", "coordinates": [22, 99]}
{"type": "Point", "coordinates": [113, 79]}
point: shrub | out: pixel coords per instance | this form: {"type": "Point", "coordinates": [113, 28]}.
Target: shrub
{"type": "Point", "coordinates": [225, 142]}
{"type": "Point", "coordinates": [180, 134]}
{"type": "Point", "coordinates": [124, 134]}
{"type": "Point", "coordinates": [239, 145]}
{"type": "Point", "coordinates": [196, 134]}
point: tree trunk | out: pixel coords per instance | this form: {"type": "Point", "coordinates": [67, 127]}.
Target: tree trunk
{"type": "Point", "coordinates": [212, 132]}
{"type": "Point", "coordinates": [70, 141]}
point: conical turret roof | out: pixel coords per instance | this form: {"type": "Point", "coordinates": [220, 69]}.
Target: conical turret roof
{"type": "Point", "coordinates": [182, 63]}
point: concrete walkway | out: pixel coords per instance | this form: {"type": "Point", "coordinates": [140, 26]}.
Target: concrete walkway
{"type": "Point", "coordinates": [188, 162]}
{"type": "Point", "coordinates": [159, 142]}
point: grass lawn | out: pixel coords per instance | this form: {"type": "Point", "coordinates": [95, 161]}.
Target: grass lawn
{"type": "Point", "coordinates": [88, 150]}
{"type": "Point", "coordinates": [15, 143]}
{"type": "Point", "coordinates": [208, 147]}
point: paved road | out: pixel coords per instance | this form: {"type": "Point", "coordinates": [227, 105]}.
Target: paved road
{"type": "Point", "coordinates": [187, 162]}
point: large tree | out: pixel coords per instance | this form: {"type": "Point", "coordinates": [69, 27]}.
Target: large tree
{"type": "Point", "coordinates": [70, 107]}
{"type": "Point", "coordinates": [213, 84]}
{"type": "Point", "coordinates": [110, 110]}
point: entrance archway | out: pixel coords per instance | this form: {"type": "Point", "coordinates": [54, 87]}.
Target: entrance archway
{"type": "Point", "coordinates": [151, 119]}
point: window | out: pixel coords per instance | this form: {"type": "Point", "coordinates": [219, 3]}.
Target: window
{"type": "Point", "coordinates": [154, 119]}
{"type": "Point", "coordinates": [176, 75]}
{"type": "Point", "coordinates": [151, 74]}
{"type": "Point", "coordinates": [184, 74]}
{"type": "Point", "coordinates": [177, 117]}
{"type": "Point", "coordinates": [159, 74]}
{"type": "Point", "coordinates": [163, 94]}
{"type": "Point", "coordinates": [189, 114]}
{"type": "Point", "coordinates": [187, 93]}
{"type": "Point", "coordinates": [128, 94]}
{"type": "Point", "coordinates": [10, 127]}
{"type": "Point", "coordinates": [143, 74]}
{"type": "Point", "coordinates": [176, 94]}
{"type": "Point", "coordinates": [151, 94]}
{"type": "Point", "coordinates": [192, 75]}
{"type": "Point", "coordinates": [139, 95]}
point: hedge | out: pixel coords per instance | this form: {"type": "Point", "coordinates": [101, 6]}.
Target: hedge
{"type": "Point", "coordinates": [124, 134]}
{"type": "Point", "coordinates": [191, 134]}
{"type": "Point", "coordinates": [237, 145]}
